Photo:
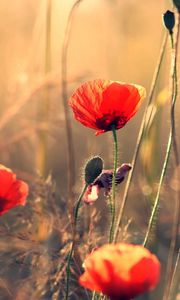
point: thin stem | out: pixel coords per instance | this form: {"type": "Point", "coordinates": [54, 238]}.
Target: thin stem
{"type": "Point", "coordinates": [111, 208]}
{"type": "Point", "coordinates": [96, 296]}
{"type": "Point", "coordinates": [70, 144]}
{"type": "Point", "coordinates": [171, 141]}
{"type": "Point", "coordinates": [76, 211]}
{"type": "Point", "coordinates": [112, 199]}
{"type": "Point", "coordinates": [113, 195]}
{"type": "Point", "coordinates": [176, 218]}
{"type": "Point", "coordinates": [44, 107]}
{"type": "Point", "coordinates": [48, 36]}
{"type": "Point", "coordinates": [140, 137]}
{"type": "Point", "coordinates": [172, 289]}
{"type": "Point", "coordinates": [156, 202]}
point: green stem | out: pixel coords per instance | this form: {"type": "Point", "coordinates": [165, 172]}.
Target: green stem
{"type": "Point", "coordinates": [64, 87]}
{"type": "Point", "coordinates": [171, 141]}
{"type": "Point", "coordinates": [156, 202]}
{"type": "Point", "coordinates": [176, 219]}
{"type": "Point", "coordinates": [76, 211]}
{"type": "Point", "coordinates": [140, 137]}
{"type": "Point", "coordinates": [113, 195]}
{"type": "Point", "coordinates": [173, 289]}
{"type": "Point", "coordinates": [112, 198]}
{"type": "Point", "coordinates": [95, 296]}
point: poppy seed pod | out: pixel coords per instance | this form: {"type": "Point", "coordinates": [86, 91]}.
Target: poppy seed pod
{"type": "Point", "coordinates": [177, 4]}
{"type": "Point", "coordinates": [169, 20]}
{"type": "Point", "coordinates": [93, 169]}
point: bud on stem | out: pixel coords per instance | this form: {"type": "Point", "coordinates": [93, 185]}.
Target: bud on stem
{"type": "Point", "coordinates": [93, 169]}
{"type": "Point", "coordinates": [169, 20]}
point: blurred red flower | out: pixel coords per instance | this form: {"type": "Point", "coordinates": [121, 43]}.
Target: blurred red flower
{"type": "Point", "coordinates": [12, 191]}
{"type": "Point", "coordinates": [121, 271]}
{"type": "Point", "coordinates": [103, 104]}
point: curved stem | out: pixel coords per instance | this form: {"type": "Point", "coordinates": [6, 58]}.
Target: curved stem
{"type": "Point", "coordinates": [140, 137]}
{"type": "Point", "coordinates": [176, 218]}
{"type": "Point", "coordinates": [70, 144]}
{"type": "Point", "coordinates": [171, 141]}
{"type": "Point", "coordinates": [76, 211]}
{"type": "Point", "coordinates": [156, 202]}
{"type": "Point", "coordinates": [113, 195]}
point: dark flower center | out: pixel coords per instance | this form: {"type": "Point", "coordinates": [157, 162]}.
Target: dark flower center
{"type": "Point", "coordinates": [3, 203]}
{"type": "Point", "coordinates": [108, 121]}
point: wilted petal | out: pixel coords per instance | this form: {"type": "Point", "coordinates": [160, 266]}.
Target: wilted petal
{"type": "Point", "coordinates": [104, 180]}
{"type": "Point", "coordinates": [121, 172]}
{"type": "Point", "coordinates": [91, 194]}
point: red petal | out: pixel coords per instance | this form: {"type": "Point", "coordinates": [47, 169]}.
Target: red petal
{"type": "Point", "coordinates": [122, 99]}
{"type": "Point", "coordinates": [12, 192]}
{"type": "Point", "coordinates": [86, 100]}
{"type": "Point", "coordinates": [18, 192]}
{"type": "Point", "coordinates": [6, 180]}
{"type": "Point", "coordinates": [101, 104]}
{"type": "Point", "coordinates": [121, 271]}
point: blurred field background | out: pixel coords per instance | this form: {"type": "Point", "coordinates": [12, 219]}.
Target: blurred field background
{"type": "Point", "coordinates": [113, 39]}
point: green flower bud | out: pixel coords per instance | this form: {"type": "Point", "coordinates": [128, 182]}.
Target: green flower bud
{"type": "Point", "coordinates": [177, 4]}
{"type": "Point", "coordinates": [169, 20]}
{"type": "Point", "coordinates": [93, 169]}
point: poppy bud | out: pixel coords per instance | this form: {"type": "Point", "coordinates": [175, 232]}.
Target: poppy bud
{"type": "Point", "coordinates": [169, 20]}
{"type": "Point", "coordinates": [177, 4]}
{"type": "Point", "coordinates": [93, 169]}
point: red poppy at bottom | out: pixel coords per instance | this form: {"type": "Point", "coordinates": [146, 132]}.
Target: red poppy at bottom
{"type": "Point", "coordinates": [121, 271]}
{"type": "Point", "coordinates": [13, 192]}
{"type": "Point", "coordinates": [105, 104]}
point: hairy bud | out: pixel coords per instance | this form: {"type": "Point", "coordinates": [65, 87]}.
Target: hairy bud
{"type": "Point", "coordinates": [93, 169]}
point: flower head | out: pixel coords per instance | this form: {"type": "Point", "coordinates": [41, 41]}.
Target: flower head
{"type": "Point", "coordinates": [105, 104]}
{"type": "Point", "coordinates": [104, 181]}
{"type": "Point", "coordinates": [121, 271]}
{"type": "Point", "coordinates": [13, 192]}
{"type": "Point", "coordinates": [169, 20]}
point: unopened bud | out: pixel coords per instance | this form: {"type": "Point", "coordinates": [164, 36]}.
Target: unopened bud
{"type": "Point", "coordinates": [93, 169]}
{"type": "Point", "coordinates": [169, 20]}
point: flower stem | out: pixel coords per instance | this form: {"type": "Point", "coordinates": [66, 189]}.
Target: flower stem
{"type": "Point", "coordinates": [176, 218]}
{"type": "Point", "coordinates": [171, 141]}
{"type": "Point", "coordinates": [140, 137]}
{"type": "Point", "coordinates": [173, 290]}
{"type": "Point", "coordinates": [44, 107]}
{"type": "Point", "coordinates": [76, 211]}
{"type": "Point", "coordinates": [156, 202]}
{"type": "Point", "coordinates": [111, 200]}
{"type": "Point", "coordinates": [64, 87]}
{"type": "Point", "coordinates": [113, 194]}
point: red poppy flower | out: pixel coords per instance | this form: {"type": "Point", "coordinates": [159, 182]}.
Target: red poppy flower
{"type": "Point", "coordinates": [104, 104]}
{"type": "Point", "coordinates": [121, 271]}
{"type": "Point", "coordinates": [12, 191]}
